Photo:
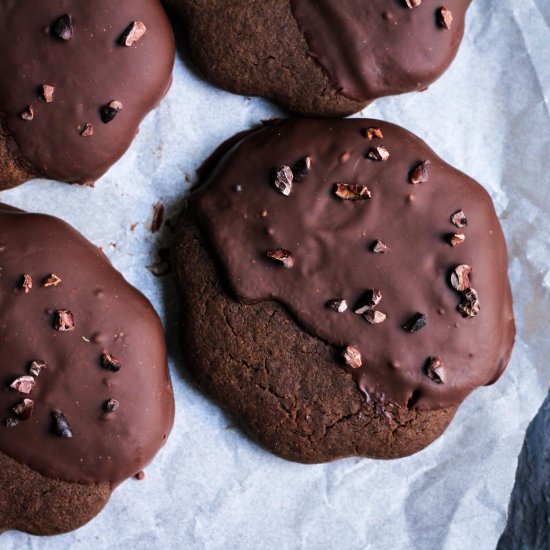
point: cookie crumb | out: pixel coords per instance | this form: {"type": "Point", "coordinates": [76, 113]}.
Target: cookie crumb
{"type": "Point", "coordinates": [338, 305]}
{"type": "Point", "coordinates": [352, 357]}
{"type": "Point", "coordinates": [282, 255]}
{"type": "Point", "coordinates": [51, 280]}
{"type": "Point", "coordinates": [374, 132]}
{"type": "Point", "coordinates": [378, 154]}
{"type": "Point", "coordinates": [23, 384]}
{"type": "Point", "coordinates": [26, 283]}
{"type": "Point", "coordinates": [47, 93]}
{"type": "Point", "coordinates": [284, 179]}
{"type": "Point", "coordinates": [445, 17]}
{"type": "Point", "coordinates": [375, 317]}
{"type": "Point", "coordinates": [133, 33]}
{"type": "Point", "coordinates": [64, 320]}
{"type": "Point", "coordinates": [380, 247]}
{"type": "Point", "coordinates": [36, 367]}
{"type": "Point", "coordinates": [458, 219]}
{"type": "Point", "coordinates": [435, 370]}
{"type": "Point", "coordinates": [460, 277]}
{"type": "Point", "coordinates": [28, 114]}
{"type": "Point", "coordinates": [420, 174]}
{"type": "Point", "coordinates": [351, 191]}
{"type": "Point", "coordinates": [111, 362]}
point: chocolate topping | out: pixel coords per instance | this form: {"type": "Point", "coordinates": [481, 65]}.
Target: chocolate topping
{"type": "Point", "coordinates": [82, 58]}
{"type": "Point", "coordinates": [331, 240]}
{"type": "Point", "coordinates": [372, 48]}
{"type": "Point", "coordinates": [110, 315]}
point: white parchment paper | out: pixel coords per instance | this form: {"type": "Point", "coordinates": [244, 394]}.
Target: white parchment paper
{"type": "Point", "coordinates": [213, 488]}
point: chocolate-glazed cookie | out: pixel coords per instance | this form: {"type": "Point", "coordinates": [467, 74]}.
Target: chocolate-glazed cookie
{"type": "Point", "coordinates": [78, 78]}
{"type": "Point", "coordinates": [343, 288]}
{"type": "Point", "coordinates": [323, 57]}
{"type": "Point", "coordinates": [86, 399]}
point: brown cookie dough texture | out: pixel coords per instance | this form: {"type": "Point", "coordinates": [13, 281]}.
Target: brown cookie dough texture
{"type": "Point", "coordinates": [323, 57]}
{"type": "Point", "coordinates": [78, 78]}
{"type": "Point", "coordinates": [87, 399]}
{"type": "Point", "coordinates": [343, 289]}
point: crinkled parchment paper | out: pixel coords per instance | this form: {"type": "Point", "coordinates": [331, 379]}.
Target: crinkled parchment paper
{"type": "Point", "coordinates": [211, 487]}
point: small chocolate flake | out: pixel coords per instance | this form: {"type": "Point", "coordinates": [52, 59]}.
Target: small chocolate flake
{"type": "Point", "coordinates": [64, 320]}
{"type": "Point", "coordinates": [158, 217]}
{"type": "Point", "coordinates": [87, 131]}
{"type": "Point", "coordinates": [281, 255]}
{"type": "Point", "coordinates": [374, 132]}
{"type": "Point", "coordinates": [28, 114]}
{"type": "Point", "coordinates": [301, 169]}
{"type": "Point", "coordinates": [112, 405]}
{"type": "Point", "coordinates": [460, 277]}
{"type": "Point", "coordinates": [110, 111]}
{"type": "Point", "coordinates": [47, 93]}
{"type": "Point", "coordinates": [23, 384]}
{"type": "Point", "coordinates": [445, 17]}
{"type": "Point", "coordinates": [337, 305]}
{"type": "Point", "coordinates": [24, 409]}
{"type": "Point", "coordinates": [133, 33]}
{"type": "Point", "coordinates": [470, 306]}
{"type": "Point", "coordinates": [435, 370]}
{"type": "Point", "coordinates": [26, 283]}
{"type": "Point", "coordinates": [62, 426]}
{"type": "Point", "coordinates": [419, 173]}
{"type": "Point", "coordinates": [375, 317]}
{"type": "Point", "coordinates": [378, 154]}
{"type": "Point", "coordinates": [380, 247]}
{"type": "Point", "coordinates": [51, 280]}
{"type": "Point", "coordinates": [11, 422]}
{"type": "Point", "coordinates": [416, 323]}
{"type": "Point", "coordinates": [36, 367]}
{"type": "Point", "coordinates": [458, 219]}
{"type": "Point", "coordinates": [284, 179]}
{"type": "Point", "coordinates": [351, 191]}
{"type": "Point", "coordinates": [63, 27]}
{"type": "Point", "coordinates": [368, 301]}
{"type": "Point", "coordinates": [110, 362]}
{"type": "Point", "coordinates": [352, 357]}
{"type": "Point", "coordinates": [456, 238]}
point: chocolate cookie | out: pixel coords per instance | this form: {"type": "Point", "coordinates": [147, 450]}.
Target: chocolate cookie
{"type": "Point", "coordinates": [343, 289]}
{"type": "Point", "coordinates": [78, 79]}
{"type": "Point", "coordinates": [323, 57]}
{"type": "Point", "coordinates": [86, 400]}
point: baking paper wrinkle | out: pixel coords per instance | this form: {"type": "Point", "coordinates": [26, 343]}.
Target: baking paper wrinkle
{"type": "Point", "coordinates": [211, 487]}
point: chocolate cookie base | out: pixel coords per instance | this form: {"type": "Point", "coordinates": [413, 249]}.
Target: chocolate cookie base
{"type": "Point", "coordinates": [285, 385]}
{"type": "Point", "coordinates": [38, 505]}
{"type": "Point", "coordinates": [14, 170]}
{"type": "Point", "coordinates": [258, 49]}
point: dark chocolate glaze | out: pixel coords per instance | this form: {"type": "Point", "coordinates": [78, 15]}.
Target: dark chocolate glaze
{"type": "Point", "coordinates": [374, 48]}
{"type": "Point", "coordinates": [88, 72]}
{"type": "Point", "coordinates": [332, 240]}
{"type": "Point", "coordinates": [110, 317]}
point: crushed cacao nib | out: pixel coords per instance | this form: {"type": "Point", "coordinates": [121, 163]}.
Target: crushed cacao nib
{"type": "Point", "coordinates": [26, 283]}
{"type": "Point", "coordinates": [460, 277]}
{"type": "Point", "coordinates": [373, 132]}
{"type": "Point", "coordinates": [24, 409]}
{"type": "Point", "coordinates": [28, 114]}
{"type": "Point", "coordinates": [110, 111]}
{"type": "Point", "coordinates": [47, 93]}
{"type": "Point", "coordinates": [62, 427]}
{"type": "Point", "coordinates": [36, 367]}
{"type": "Point", "coordinates": [110, 362]}
{"type": "Point", "coordinates": [351, 191]}
{"type": "Point", "coordinates": [133, 33]}
{"type": "Point", "coordinates": [380, 247]}
{"type": "Point", "coordinates": [281, 255]}
{"type": "Point", "coordinates": [379, 153]}
{"type": "Point", "coordinates": [337, 305]}
{"type": "Point", "coordinates": [11, 422]}
{"type": "Point", "coordinates": [420, 173]}
{"type": "Point", "coordinates": [88, 130]}
{"type": "Point", "coordinates": [301, 169]}
{"type": "Point", "coordinates": [283, 180]}
{"type": "Point", "coordinates": [352, 357]}
{"type": "Point", "coordinates": [369, 300]}
{"type": "Point", "coordinates": [417, 322]}
{"type": "Point", "coordinates": [375, 317]}
{"type": "Point", "coordinates": [470, 306]}
{"type": "Point", "coordinates": [111, 405]}
{"type": "Point", "coordinates": [64, 320]}
{"type": "Point", "coordinates": [435, 370]}
{"type": "Point", "coordinates": [23, 384]}
{"type": "Point", "coordinates": [158, 217]}
{"type": "Point", "coordinates": [445, 17]}
{"type": "Point", "coordinates": [51, 280]}
{"type": "Point", "coordinates": [456, 238]}
{"type": "Point", "coordinates": [413, 3]}
{"type": "Point", "coordinates": [458, 219]}
{"type": "Point", "coordinates": [63, 27]}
